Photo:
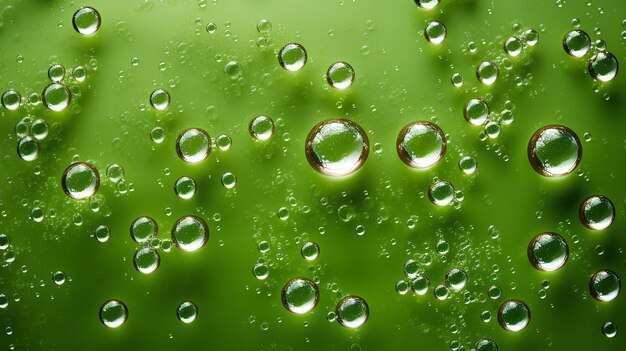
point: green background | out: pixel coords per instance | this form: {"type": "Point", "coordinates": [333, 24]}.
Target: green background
{"type": "Point", "coordinates": [399, 78]}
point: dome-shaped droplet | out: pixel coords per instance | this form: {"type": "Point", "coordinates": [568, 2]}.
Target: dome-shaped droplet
{"type": "Point", "coordinates": [146, 260]}
{"type": "Point", "coordinates": [435, 32]}
{"type": "Point", "coordinates": [441, 292]}
{"type": "Point", "coordinates": [605, 285]}
{"type": "Point", "coordinates": [468, 165]}
{"type": "Point", "coordinates": [300, 295]}
{"type": "Point", "coordinates": [190, 233]}
{"type": "Point", "coordinates": [187, 312]}
{"type": "Point", "coordinates": [193, 145]}
{"type": "Point", "coordinates": [39, 129]}
{"type": "Point", "coordinates": [292, 57]}
{"type": "Point", "coordinates": [487, 72]}
{"type": "Point", "coordinates": [56, 72]}
{"type": "Point", "coordinates": [476, 111]}
{"type": "Point", "coordinates": [56, 97]}
{"type": "Point", "coordinates": [352, 312]}
{"type": "Point", "coordinates": [261, 128]}
{"type": "Point", "coordinates": [115, 172]}
{"type": "Point", "coordinates": [609, 329]}
{"type": "Point", "coordinates": [310, 250]}
{"type": "Point", "coordinates": [548, 252]}
{"type": "Point", "coordinates": [456, 279]}
{"type": "Point", "coordinates": [102, 233]}
{"type": "Point", "coordinates": [229, 180]}
{"type": "Point", "coordinates": [441, 193]}
{"type": "Point", "coordinates": [86, 20]}
{"type": "Point", "coordinates": [185, 187]}
{"type": "Point", "coordinates": [58, 277]}
{"type": "Point", "coordinates": [486, 345]}
{"type": "Point", "coordinates": [80, 180]}
{"type": "Point", "coordinates": [421, 144]}
{"type": "Point", "coordinates": [233, 70]}
{"type": "Point", "coordinates": [337, 147]}
{"type": "Point", "coordinates": [28, 148]}
{"type": "Point", "coordinates": [340, 75]}
{"type": "Point", "coordinates": [420, 285]}
{"type": "Point", "coordinates": [597, 212]}
{"type": "Point", "coordinates": [531, 37]}
{"type": "Point", "coordinates": [261, 271]}
{"type": "Point", "coordinates": [160, 99]}
{"type": "Point", "coordinates": [554, 151]}
{"type": "Point", "coordinates": [113, 313]}
{"type": "Point", "coordinates": [427, 4]}
{"type": "Point", "coordinates": [576, 43]}
{"type": "Point", "coordinates": [143, 229]}
{"type": "Point", "coordinates": [513, 46]}
{"type": "Point", "coordinates": [603, 66]}
{"type": "Point", "coordinates": [514, 315]}
{"type": "Point", "coordinates": [11, 100]}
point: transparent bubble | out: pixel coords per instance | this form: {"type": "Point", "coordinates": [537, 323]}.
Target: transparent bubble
{"type": "Point", "coordinates": [229, 180]}
{"type": "Point", "coordinates": [113, 313]}
{"type": "Point", "coordinates": [39, 129]}
{"type": "Point", "coordinates": [56, 97]}
{"type": "Point", "coordinates": [187, 312]}
{"type": "Point", "coordinates": [443, 247]}
{"type": "Point", "coordinates": [421, 144]}
{"type": "Point", "coordinates": [554, 151]}
{"type": "Point", "coordinates": [261, 271]}
{"type": "Point", "coordinates": [37, 214]}
{"type": "Point", "coordinates": [605, 285]}
{"type": "Point", "coordinates": [58, 277]}
{"type": "Point", "coordinates": [441, 193]}
{"type": "Point", "coordinates": [211, 28]}
{"type": "Point", "coordinates": [411, 268]}
{"type": "Point", "coordinates": [340, 75]}
{"type": "Point", "coordinates": [102, 233]}
{"type": "Point", "coordinates": [531, 37]}
{"type": "Point", "coordinates": [485, 345]}
{"type": "Point", "coordinates": [476, 111]}
{"type": "Point", "coordinates": [79, 73]}
{"type": "Point", "coordinates": [597, 212]}
{"type": "Point", "coordinates": [576, 43]}
{"type": "Point", "coordinates": [56, 73]}
{"type": "Point", "coordinates": [86, 20]}
{"type": "Point", "coordinates": [185, 187]}
{"type": "Point", "coordinates": [190, 233]}
{"type": "Point", "coordinates": [193, 145]}
{"type": "Point", "coordinates": [513, 315]}
{"type": "Point", "coordinates": [310, 251]}
{"type": "Point", "coordinates": [160, 99]}
{"type": "Point", "coordinates": [603, 66]}
{"type": "Point", "coordinates": [143, 229]}
{"type": "Point", "coordinates": [292, 57]}
{"type": "Point", "coordinates": [441, 292]}
{"type": "Point", "coordinates": [264, 26]}
{"type": "Point", "coordinates": [261, 128]}
{"type": "Point", "coordinates": [492, 129]}
{"type": "Point", "coordinates": [337, 147]}
{"type": "Point", "coordinates": [457, 80]}
{"type": "Point", "coordinates": [402, 287]}
{"type": "Point", "coordinates": [157, 134]}
{"type": "Point", "coordinates": [28, 148]}
{"type": "Point", "coordinates": [300, 295]}
{"type": "Point", "coordinates": [487, 72]}
{"type": "Point", "coordinates": [146, 260]}
{"type": "Point", "coordinates": [548, 252]}
{"type": "Point", "coordinates": [352, 312]}
{"type": "Point", "coordinates": [507, 116]}
{"type": "Point", "coordinates": [456, 279]}
{"type": "Point", "coordinates": [11, 100]}
{"type": "Point", "coordinates": [513, 46]}
{"type": "Point", "coordinates": [435, 32]}
{"type": "Point", "coordinates": [115, 173]}
{"type": "Point", "coordinates": [80, 180]}
{"type": "Point", "coordinates": [420, 285]}
{"type": "Point", "coordinates": [233, 70]}
{"type": "Point", "coordinates": [468, 164]}
{"type": "Point", "coordinates": [494, 292]}
{"type": "Point", "coordinates": [223, 142]}
{"type": "Point", "coordinates": [609, 329]}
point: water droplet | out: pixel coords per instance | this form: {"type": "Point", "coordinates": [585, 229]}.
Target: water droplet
{"type": "Point", "coordinates": [548, 252]}
{"type": "Point", "coordinates": [86, 20]}
{"type": "Point", "coordinates": [609, 329]}
{"type": "Point", "coordinates": [402, 287]}
{"type": "Point", "coordinates": [597, 212]}
{"type": "Point", "coordinates": [115, 173]}
{"type": "Point", "coordinates": [486, 345]}
{"type": "Point", "coordinates": [513, 46]}
{"type": "Point", "coordinates": [531, 37]}
{"type": "Point", "coordinates": [603, 66]}
{"type": "Point", "coordinates": [264, 26]}
{"type": "Point", "coordinates": [223, 142]}
{"type": "Point", "coordinates": [513, 315]}
{"type": "Point", "coordinates": [146, 260]}
{"type": "Point", "coordinates": [420, 285]}
{"type": "Point", "coordinates": [233, 70]}
{"type": "Point", "coordinates": [441, 292]}
{"type": "Point", "coordinates": [160, 99]}
{"type": "Point", "coordinates": [187, 312]}
{"type": "Point", "coordinates": [487, 72]}
{"type": "Point", "coordinates": [421, 144]}
{"type": "Point", "coordinates": [211, 28]}
{"type": "Point", "coordinates": [554, 151]}
{"type": "Point", "coordinates": [56, 73]}
{"type": "Point", "coordinates": [102, 233]}
{"type": "Point", "coordinates": [11, 100]}
{"type": "Point", "coordinates": [435, 32]}
{"type": "Point", "coordinates": [300, 295]}
{"type": "Point", "coordinates": [443, 247]}
{"type": "Point", "coordinates": [185, 187]}
{"type": "Point", "coordinates": [427, 4]}
{"type": "Point", "coordinates": [292, 57]}
{"type": "Point", "coordinates": [411, 267]}
{"type": "Point", "coordinates": [190, 233]}
{"type": "Point", "coordinates": [28, 148]}
{"type": "Point", "coordinates": [261, 128]}
{"type": "Point", "coordinates": [310, 251]}
{"type": "Point", "coordinates": [492, 129]}
{"type": "Point", "coordinates": [340, 75]}
{"type": "Point", "coordinates": [456, 279]}
{"type": "Point", "coordinates": [58, 277]}
{"type": "Point", "coordinates": [604, 285]}
{"type": "Point", "coordinates": [39, 129]}
{"type": "Point", "coordinates": [56, 97]}
{"type": "Point", "coordinates": [143, 229]}
{"type": "Point", "coordinates": [80, 180]}
{"type": "Point", "coordinates": [229, 180]}
{"type": "Point", "coordinates": [261, 271]}
{"type": "Point", "coordinates": [576, 43]}
{"type": "Point", "coordinates": [352, 312]}
{"type": "Point", "coordinates": [494, 292]}
{"type": "Point", "coordinates": [157, 134]}
{"type": "Point", "coordinates": [79, 73]}
{"type": "Point", "coordinates": [193, 145]}
{"type": "Point", "coordinates": [457, 80]}
{"type": "Point", "coordinates": [113, 313]}
{"type": "Point", "coordinates": [337, 147]}
{"type": "Point", "coordinates": [476, 111]}
{"type": "Point", "coordinates": [468, 165]}
{"type": "Point", "coordinates": [441, 193]}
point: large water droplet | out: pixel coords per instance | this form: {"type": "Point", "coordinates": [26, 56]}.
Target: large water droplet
{"type": "Point", "coordinates": [554, 151]}
{"type": "Point", "coordinates": [576, 43]}
{"type": "Point", "coordinates": [187, 312]}
{"type": "Point", "coordinates": [352, 312]}
{"type": "Point", "coordinates": [56, 97]}
{"type": "Point", "coordinates": [476, 111]}
{"type": "Point", "coordinates": [190, 233]}
{"type": "Point", "coordinates": [261, 128]}
{"type": "Point", "coordinates": [548, 252]}
{"type": "Point", "coordinates": [146, 260]}
{"type": "Point", "coordinates": [597, 212]}
{"type": "Point", "coordinates": [143, 229]}
{"type": "Point", "coordinates": [80, 180]}
{"type": "Point", "coordinates": [605, 285]}
{"type": "Point", "coordinates": [340, 75]}
{"type": "Point", "coordinates": [514, 315]}
{"type": "Point", "coordinates": [487, 72]}
{"type": "Point", "coordinates": [193, 145]}
{"type": "Point", "coordinates": [86, 20]}
{"type": "Point", "coordinates": [300, 295]}
{"type": "Point", "coordinates": [421, 144]}
{"type": "Point", "coordinates": [292, 57]}
{"type": "Point", "coordinates": [113, 313]}
{"type": "Point", "coordinates": [435, 32]}
{"type": "Point", "coordinates": [603, 66]}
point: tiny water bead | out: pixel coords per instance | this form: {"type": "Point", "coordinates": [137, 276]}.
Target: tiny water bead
{"type": "Point", "coordinates": [486, 345]}
{"type": "Point", "coordinates": [548, 252]}
{"type": "Point", "coordinates": [513, 315]}
{"type": "Point", "coordinates": [421, 144]}
{"type": "Point", "coordinates": [441, 193]}
{"type": "Point", "coordinates": [187, 312]}
{"type": "Point", "coordinates": [554, 151]}
{"type": "Point", "coordinates": [261, 271]}
{"type": "Point", "coordinates": [310, 251]}
{"type": "Point", "coordinates": [160, 99]}
{"type": "Point", "coordinates": [113, 313]}
{"type": "Point", "coordinates": [456, 279]}
{"type": "Point", "coordinates": [420, 285]}
{"type": "Point", "coordinates": [190, 233]}
{"type": "Point", "coordinates": [603, 66]}
{"type": "Point", "coordinates": [56, 73]}
{"type": "Point", "coordinates": [605, 285]}
{"type": "Point", "coordinates": [427, 4]}
{"type": "Point", "coordinates": [193, 145]}
{"type": "Point", "coordinates": [476, 111]}
{"type": "Point", "coordinates": [337, 147]}
{"type": "Point", "coordinates": [115, 173]}
{"type": "Point", "coordinates": [609, 329]}
{"type": "Point", "coordinates": [441, 292]}
{"type": "Point", "coordinates": [11, 100]}
{"type": "Point", "coordinates": [58, 277]}
{"type": "Point", "coordinates": [143, 229]}
{"type": "Point", "coordinates": [28, 148]}
{"type": "Point", "coordinates": [261, 128]}
{"type": "Point", "coordinates": [435, 32]}
{"type": "Point", "coordinates": [352, 312]}
{"type": "Point", "coordinates": [468, 164]}
{"type": "Point", "coordinates": [487, 72]}
{"type": "Point", "coordinates": [229, 180]}
{"type": "Point", "coordinates": [102, 233]}
{"type": "Point", "coordinates": [80, 180]}
{"type": "Point", "coordinates": [300, 295]}
{"type": "Point", "coordinates": [513, 46]}
{"type": "Point", "coordinates": [292, 57]}
{"type": "Point", "coordinates": [531, 37]}
{"type": "Point", "coordinates": [86, 20]}
{"type": "Point", "coordinates": [576, 43]}
{"type": "Point", "coordinates": [340, 75]}
{"type": "Point", "coordinates": [597, 212]}
{"type": "Point", "coordinates": [56, 97]}
{"type": "Point", "coordinates": [185, 187]}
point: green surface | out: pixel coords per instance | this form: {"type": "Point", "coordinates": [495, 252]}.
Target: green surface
{"type": "Point", "coordinates": [142, 46]}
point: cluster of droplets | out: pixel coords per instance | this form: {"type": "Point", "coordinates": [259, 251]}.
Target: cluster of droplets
{"type": "Point", "coordinates": [455, 279]}
{"type": "Point", "coordinates": [114, 313]}
{"type": "Point", "coordinates": [601, 65]}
